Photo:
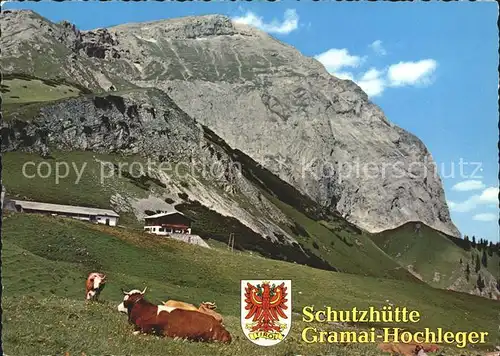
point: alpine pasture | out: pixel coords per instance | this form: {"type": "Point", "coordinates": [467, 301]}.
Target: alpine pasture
{"type": "Point", "coordinates": [45, 264]}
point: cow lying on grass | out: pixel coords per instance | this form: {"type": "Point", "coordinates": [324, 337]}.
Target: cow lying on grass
{"type": "Point", "coordinates": [407, 349]}
{"type": "Point", "coordinates": [171, 322]}
{"type": "Point", "coordinates": [205, 308]}
{"type": "Point", "coordinates": [179, 305]}
{"type": "Point", "coordinates": [209, 308]}
{"type": "Point", "coordinates": [94, 285]}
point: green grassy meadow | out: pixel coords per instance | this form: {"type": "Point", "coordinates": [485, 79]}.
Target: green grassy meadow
{"type": "Point", "coordinates": [24, 95]}
{"type": "Point", "coordinates": [46, 262]}
{"type": "Point", "coordinates": [35, 90]}
{"type": "Point", "coordinates": [91, 191]}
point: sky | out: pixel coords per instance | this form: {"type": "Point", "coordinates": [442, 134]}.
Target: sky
{"type": "Point", "coordinates": [431, 67]}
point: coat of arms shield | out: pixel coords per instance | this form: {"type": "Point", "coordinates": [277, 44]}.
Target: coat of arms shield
{"type": "Point", "coordinates": [266, 310]}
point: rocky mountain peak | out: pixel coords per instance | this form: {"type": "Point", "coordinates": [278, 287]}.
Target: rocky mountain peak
{"type": "Point", "coordinates": [192, 27]}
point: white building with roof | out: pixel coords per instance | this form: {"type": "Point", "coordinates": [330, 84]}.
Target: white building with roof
{"type": "Point", "coordinates": [96, 215]}
{"type": "Point", "coordinates": [166, 223]}
{"type": "Point", "coordinates": [174, 225]}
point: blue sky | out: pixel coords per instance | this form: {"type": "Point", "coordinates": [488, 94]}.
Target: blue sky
{"type": "Point", "coordinates": [431, 67]}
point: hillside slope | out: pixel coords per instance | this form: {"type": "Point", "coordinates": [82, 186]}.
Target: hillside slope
{"type": "Point", "coordinates": [137, 152]}
{"type": "Point", "coordinates": [45, 265]}
{"type": "Point", "coordinates": [220, 72]}
{"type": "Point", "coordinates": [440, 260]}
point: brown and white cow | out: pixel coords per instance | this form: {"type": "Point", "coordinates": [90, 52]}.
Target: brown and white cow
{"type": "Point", "coordinates": [205, 308]}
{"type": "Point", "coordinates": [94, 285]}
{"type": "Point", "coordinates": [171, 322]}
{"type": "Point", "coordinates": [179, 305]}
{"type": "Point", "coordinates": [209, 308]}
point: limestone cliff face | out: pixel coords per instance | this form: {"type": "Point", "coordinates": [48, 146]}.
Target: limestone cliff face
{"type": "Point", "coordinates": [315, 131]}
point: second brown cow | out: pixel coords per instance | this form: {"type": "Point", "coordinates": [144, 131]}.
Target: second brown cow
{"type": "Point", "coordinates": [205, 308]}
{"type": "Point", "coordinates": [175, 323]}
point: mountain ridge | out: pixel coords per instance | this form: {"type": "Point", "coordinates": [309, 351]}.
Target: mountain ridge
{"type": "Point", "coordinates": [291, 99]}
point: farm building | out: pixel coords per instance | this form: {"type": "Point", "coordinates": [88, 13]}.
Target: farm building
{"type": "Point", "coordinates": [101, 216]}
{"type": "Point", "coordinates": [168, 223]}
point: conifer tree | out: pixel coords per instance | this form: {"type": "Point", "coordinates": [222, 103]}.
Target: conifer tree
{"type": "Point", "coordinates": [491, 247]}
{"type": "Point", "coordinates": [480, 283]}
{"type": "Point", "coordinates": [484, 259]}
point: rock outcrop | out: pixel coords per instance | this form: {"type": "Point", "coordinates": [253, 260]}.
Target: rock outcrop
{"type": "Point", "coordinates": [315, 131]}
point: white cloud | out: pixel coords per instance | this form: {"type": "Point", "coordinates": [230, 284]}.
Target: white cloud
{"type": "Point", "coordinates": [336, 59]}
{"type": "Point", "coordinates": [411, 73]}
{"type": "Point", "coordinates": [485, 217]}
{"type": "Point", "coordinates": [371, 74]}
{"type": "Point", "coordinates": [377, 47]}
{"type": "Point", "coordinates": [487, 197]}
{"type": "Point", "coordinates": [290, 22]}
{"type": "Point", "coordinates": [342, 64]}
{"type": "Point", "coordinates": [468, 185]}
{"type": "Point", "coordinates": [464, 206]}
{"type": "Point", "coordinates": [345, 75]}
{"type": "Point", "coordinates": [372, 82]}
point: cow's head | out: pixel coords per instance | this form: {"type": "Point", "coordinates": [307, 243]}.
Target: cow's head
{"type": "Point", "coordinates": [129, 299]}
{"type": "Point", "coordinates": [95, 284]}
{"type": "Point", "coordinates": [99, 280]}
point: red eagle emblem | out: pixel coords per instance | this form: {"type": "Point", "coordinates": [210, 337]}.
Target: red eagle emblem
{"type": "Point", "coordinates": [266, 304]}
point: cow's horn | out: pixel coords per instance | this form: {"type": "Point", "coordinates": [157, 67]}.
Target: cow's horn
{"type": "Point", "coordinates": [144, 291]}
{"type": "Point", "coordinates": [123, 291]}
